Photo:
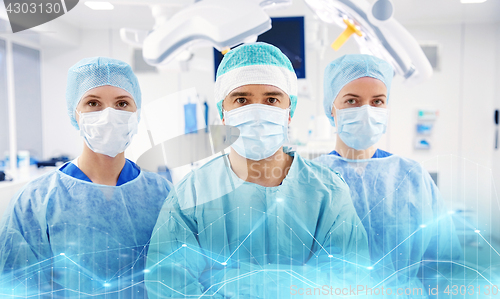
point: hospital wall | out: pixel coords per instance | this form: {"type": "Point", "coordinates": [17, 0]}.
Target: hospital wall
{"type": "Point", "coordinates": [496, 153]}
{"type": "Point", "coordinates": [463, 90]}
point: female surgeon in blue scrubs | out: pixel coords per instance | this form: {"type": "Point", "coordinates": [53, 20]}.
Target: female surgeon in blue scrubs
{"type": "Point", "coordinates": [408, 226]}
{"type": "Point", "coordinates": [83, 229]}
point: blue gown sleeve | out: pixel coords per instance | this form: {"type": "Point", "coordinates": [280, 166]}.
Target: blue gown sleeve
{"type": "Point", "coordinates": [25, 253]}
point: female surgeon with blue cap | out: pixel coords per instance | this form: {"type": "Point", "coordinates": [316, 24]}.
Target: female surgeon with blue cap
{"type": "Point", "coordinates": [83, 229]}
{"type": "Point", "coordinates": [408, 226]}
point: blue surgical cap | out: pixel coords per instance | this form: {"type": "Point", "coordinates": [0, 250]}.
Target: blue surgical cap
{"type": "Point", "coordinates": [90, 73]}
{"type": "Point", "coordinates": [348, 68]}
{"type": "Point", "coordinates": [257, 63]}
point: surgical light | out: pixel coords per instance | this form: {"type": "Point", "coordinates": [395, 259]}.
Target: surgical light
{"type": "Point", "coordinates": [98, 5]}
{"type": "Point", "coordinates": [377, 33]}
{"type": "Point", "coordinates": [221, 24]}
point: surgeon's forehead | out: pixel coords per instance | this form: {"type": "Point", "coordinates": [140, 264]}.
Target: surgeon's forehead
{"type": "Point", "coordinates": [256, 89]}
{"type": "Point", "coordinates": [367, 81]}
{"type": "Point", "coordinates": [107, 92]}
{"type": "Point", "coordinates": [107, 89]}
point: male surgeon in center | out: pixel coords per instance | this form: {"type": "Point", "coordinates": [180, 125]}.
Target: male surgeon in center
{"type": "Point", "coordinates": [260, 222]}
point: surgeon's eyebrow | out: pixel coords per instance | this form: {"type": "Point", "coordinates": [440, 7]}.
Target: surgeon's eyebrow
{"type": "Point", "coordinates": [380, 95]}
{"type": "Point", "coordinates": [240, 94]}
{"type": "Point", "coordinates": [274, 93]}
{"type": "Point", "coordinates": [351, 95]}
{"type": "Point", "coordinates": [91, 96]}
{"type": "Point", "coordinates": [122, 97]}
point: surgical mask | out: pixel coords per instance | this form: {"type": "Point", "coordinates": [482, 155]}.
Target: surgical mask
{"type": "Point", "coordinates": [361, 127]}
{"type": "Point", "coordinates": [263, 130]}
{"type": "Point", "coordinates": [108, 132]}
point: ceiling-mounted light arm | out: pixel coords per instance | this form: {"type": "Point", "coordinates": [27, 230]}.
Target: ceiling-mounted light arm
{"type": "Point", "coordinates": [218, 23]}
{"type": "Point", "coordinates": [381, 14]}
{"type": "Point", "coordinates": [133, 37]}
{"type": "Point", "coordinates": [382, 35]}
{"type": "Point", "coordinates": [274, 4]}
{"type": "Point", "coordinates": [179, 27]}
{"type": "Point", "coordinates": [381, 10]}
{"type": "Point", "coordinates": [401, 37]}
{"type": "Point", "coordinates": [163, 14]}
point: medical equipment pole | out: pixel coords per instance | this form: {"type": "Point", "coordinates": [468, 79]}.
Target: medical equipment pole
{"type": "Point", "coordinates": [12, 105]}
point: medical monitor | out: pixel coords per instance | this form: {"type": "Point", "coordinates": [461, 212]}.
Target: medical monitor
{"type": "Point", "coordinates": [287, 34]}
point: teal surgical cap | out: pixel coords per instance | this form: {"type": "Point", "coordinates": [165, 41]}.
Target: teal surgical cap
{"type": "Point", "coordinates": [90, 73]}
{"type": "Point", "coordinates": [348, 68]}
{"type": "Point", "coordinates": [257, 63]}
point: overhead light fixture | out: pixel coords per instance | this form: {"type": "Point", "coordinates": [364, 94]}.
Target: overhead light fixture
{"type": "Point", "coordinates": [472, 1]}
{"type": "Point", "coordinates": [99, 5]}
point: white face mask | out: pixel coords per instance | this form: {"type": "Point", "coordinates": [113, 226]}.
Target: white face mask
{"type": "Point", "coordinates": [361, 127]}
{"type": "Point", "coordinates": [108, 132]}
{"type": "Point", "coordinates": [263, 130]}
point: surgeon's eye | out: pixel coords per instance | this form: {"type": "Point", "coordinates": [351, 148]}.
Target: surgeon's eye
{"type": "Point", "coordinates": [92, 104]}
{"type": "Point", "coordinates": [241, 101]}
{"type": "Point", "coordinates": [272, 100]}
{"type": "Point", "coordinates": [378, 102]}
{"type": "Point", "coordinates": [122, 104]}
{"type": "Point", "coordinates": [351, 101]}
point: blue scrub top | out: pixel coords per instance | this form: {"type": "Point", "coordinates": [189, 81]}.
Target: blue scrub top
{"type": "Point", "coordinates": [66, 237]}
{"type": "Point", "coordinates": [218, 234]}
{"type": "Point", "coordinates": [378, 154]}
{"type": "Point", "coordinates": [411, 236]}
{"type": "Point", "coordinates": [129, 172]}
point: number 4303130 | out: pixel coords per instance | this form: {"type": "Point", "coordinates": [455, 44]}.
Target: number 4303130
{"type": "Point", "coordinates": [25, 8]}
{"type": "Point", "coordinates": [472, 290]}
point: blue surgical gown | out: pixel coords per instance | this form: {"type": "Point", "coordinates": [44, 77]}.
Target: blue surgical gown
{"type": "Point", "coordinates": [63, 237]}
{"type": "Point", "coordinates": [129, 172]}
{"type": "Point", "coordinates": [411, 235]}
{"type": "Point", "coordinates": [220, 236]}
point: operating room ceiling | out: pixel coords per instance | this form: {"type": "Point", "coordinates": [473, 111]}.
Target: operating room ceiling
{"type": "Point", "coordinates": [446, 11]}
{"type": "Point", "coordinates": [407, 12]}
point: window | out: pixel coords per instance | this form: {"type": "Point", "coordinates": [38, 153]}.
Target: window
{"type": "Point", "coordinates": [27, 89]}
{"type": "Point", "coordinates": [4, 111]}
